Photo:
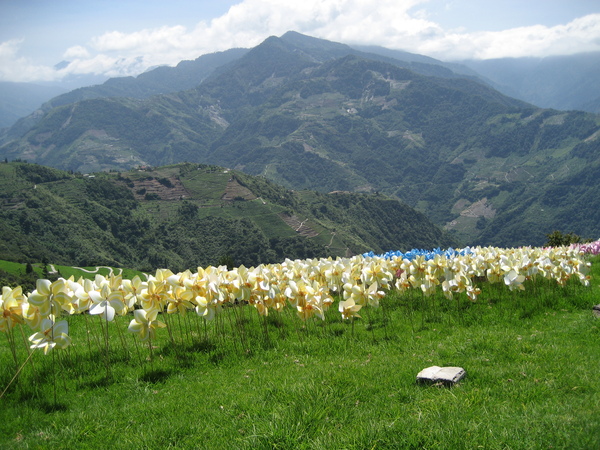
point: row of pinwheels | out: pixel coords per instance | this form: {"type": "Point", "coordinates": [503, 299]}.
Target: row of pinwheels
{"type": "Point", "coordinates": [309, 286]}
{"type": "Point", "coordinates": [592, 248]}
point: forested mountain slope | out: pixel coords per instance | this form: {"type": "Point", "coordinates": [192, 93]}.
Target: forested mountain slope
{"type": "Point", "coordinates": [190, 215]}
{"type": "Point", "coordinates": [299, 111]}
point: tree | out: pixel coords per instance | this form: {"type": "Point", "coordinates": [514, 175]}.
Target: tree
{"type": "Point", "coordinates": [226, 260]}
{"type": "Point", "coordinates": [558, 239]}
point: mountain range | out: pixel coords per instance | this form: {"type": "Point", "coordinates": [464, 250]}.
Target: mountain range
{"type": "Point", "coordinates": [313, 114]}
{"type": "Point", "coordinates": [566, 82]}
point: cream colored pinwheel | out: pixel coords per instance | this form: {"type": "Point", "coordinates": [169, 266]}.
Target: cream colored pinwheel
{"type": "Point", "coordinates": [353, 271]}
{"type": "Point", "coordinates": [206, 307]}
{"type": "Point", "coordinates": [113, 281]}
{"type": "Point", "coordinates": [377, 270]}
{"type": "Point", "coordinates": [310, 307]}
{"type": "Point", "coordinates": [11, 309]}
{"type": "Point", "coordinates": [438, 267]}
{"type": "Point", "coordinates": [582, 271]}
{"type": "Point", "coordinates": [429, 284]}
{"type": "Point", "coordinates": [402, 282]}
{"type": "Point", "coordinates": [81, 295]}
{"type": "Point", "coordinates": [106, 303]}
{"type": "Point", "coordinates": [494, 274]}
{"type": "Point", "coordinates": [304, 297]}
{"type": "Point", "coordinates": [349, 309]}
{"type": "Point", "coordinates": [462, 281]}
{"type": "Point", "coordinates": [296, 291]}
{"type": "Point", "coordinates": [133, 289]}
{"type": "Point", "coordinates": [52, 334]}
{"type": "Point", "coordinates": [514, 280]}
{"type": "Point", "coordinates": [275, 298]}
{"type": "Point", "coordinates": [546, 267]}
{"type": "Point", "coordinates": [31, 314]}
{"type": "Point", "coordinates": [417, 270]}
{"type": "Point", "coordinates": [209, 302]}
{"type": "Point", "coordinates": [162, 275]}
{"type": "Point", "coordinates": [362, 294]}
{"type": "Point", "coordinates": [323, 293]}
{"type": "Point", "coordinates": [448, 287]}
{"type": "Point", "coordinates": [258, 279]}
{"type": "Point", "coordinates": [50, 297]}
{"type": "Point", "coordinates": [179, 279]}
{"type": "Point", "coordinates": [333, 272]}
{"type": "Point", "coordinates": [374, 295]}
{"type": "Point", "coordinates": [240, 286]}
{"type": "Point", "coordinates": [154, 295]}
{"type": "Point", "coordinates": [145, 324]}
{"type": "Point", "coordinates": [473, 292]}
{"type": "Point", "coordinates": [180, 300]}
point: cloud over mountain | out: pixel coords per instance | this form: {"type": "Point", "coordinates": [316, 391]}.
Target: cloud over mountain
{"type": "Point", "coordinates": [404, 24]}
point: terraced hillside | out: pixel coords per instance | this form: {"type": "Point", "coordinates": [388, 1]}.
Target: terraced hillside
{"type": "Point", "coordinates": [188, 215]}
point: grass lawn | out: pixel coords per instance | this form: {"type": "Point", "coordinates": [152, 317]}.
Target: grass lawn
{"type": "Point", "coordinates": [68, 271]}
{"type": "Point", "coordinates": [531, 358]}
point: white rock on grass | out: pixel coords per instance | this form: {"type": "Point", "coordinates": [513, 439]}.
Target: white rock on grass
{"type": "Point", "coordinates": [445, 375]}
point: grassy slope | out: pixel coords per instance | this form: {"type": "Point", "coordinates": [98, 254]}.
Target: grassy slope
{"type": "Point", "coordinates": [531, 360]}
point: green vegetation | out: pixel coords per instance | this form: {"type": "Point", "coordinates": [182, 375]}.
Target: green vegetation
{"type": "Point", "coordinates": [244, 382]}
{"type": "Point", "coordinates": [558, 239]}
{"type": "Point", "coordinates": [25, 275]}
{"type": "Point", "coordinates": [316, 115]}
{"type": "Point", "coordinates": [17, 274]}
{"type": "Point", "coordinates": [189, 215]}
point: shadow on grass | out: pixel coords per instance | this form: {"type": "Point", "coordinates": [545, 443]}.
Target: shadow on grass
{"type": "Point", "coordinates": [96, 383]}
{"type": "Point", "coordinates": [336, 332]}
{"type": "Point", "coordinates": [185, 355]}
{"type": "Point", "coordinates": [203, 346]}
{"type": "Point", "coordinates": [217, 358]}
{"type": "Point", "coordinates": [275, 321]}
{"type": "Point", "coordinates": [156, 376]}
{"type": "Point", "coordinates": [29, 396]}
{"type": "Point", "coordinates": [51, 407]}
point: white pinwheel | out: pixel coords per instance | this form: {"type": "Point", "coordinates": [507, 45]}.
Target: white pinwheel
{"type": "Point", "coordinates": [145, 323]}
{"type": "Point", "coordinates": [52, 334]}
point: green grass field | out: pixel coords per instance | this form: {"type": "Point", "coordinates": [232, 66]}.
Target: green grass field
{"type": "Point", "coordinates": [68, 271]}
{"type": "Point", "coordinates": [239, 381]}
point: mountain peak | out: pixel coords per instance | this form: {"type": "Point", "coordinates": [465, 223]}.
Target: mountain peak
{"type": "Point", "coordinates": [313, 114]}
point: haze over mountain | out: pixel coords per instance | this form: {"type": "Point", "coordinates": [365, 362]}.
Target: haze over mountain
{"type": "Point", "coordinates": [21, 99]}
{"type": "Point", "coordinates": [568, 82]}
{"type": "Point", "coordinates": [314, 114]}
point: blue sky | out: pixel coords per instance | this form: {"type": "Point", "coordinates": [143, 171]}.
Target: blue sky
{"type": "Point", "coordinates": [126, 37]}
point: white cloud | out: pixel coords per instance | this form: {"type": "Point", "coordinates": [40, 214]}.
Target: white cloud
{"type": "Point", "coordinates": [9, 49]}
{"type": "Point", "coordinates": [400, 24]}
{"type": "Point", "coordinates": [159, 40]}
{"type": "Point", "coordinates": [577, 36]}
{"type": "Point", "coordinates": [15, 68]}
{"type": "Point", "coordinates": [109, 66]}
{"type": "Point", "coordinates": [77, 51]}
